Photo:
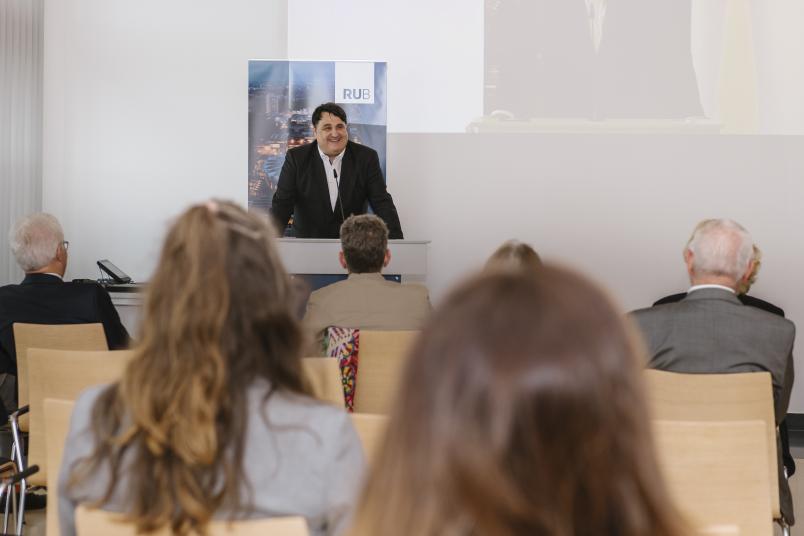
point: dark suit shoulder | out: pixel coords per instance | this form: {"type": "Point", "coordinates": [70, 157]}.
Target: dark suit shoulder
{"type": "Point", "coordinates": [761, 304]}
{"type": "Point", "coordinates": [673, 298]}
{"type": "Point", "coordinates": [360, 151]}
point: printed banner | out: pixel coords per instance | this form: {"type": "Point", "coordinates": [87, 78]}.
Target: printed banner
{"type": "Point", "coordinates": [281, 98]}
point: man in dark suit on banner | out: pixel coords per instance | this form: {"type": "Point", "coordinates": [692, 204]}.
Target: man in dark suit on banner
{"type": "Point", "coordinates": [37, 242]}
{"type": "Point", "coordinates": [324, 182]}
{"type": "Point", "coordinates": [711, 331]}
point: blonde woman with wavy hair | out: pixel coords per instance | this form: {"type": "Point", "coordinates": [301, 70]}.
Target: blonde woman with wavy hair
{"type": "Point", "coordinates": [521, 413]}
{"type": "Point", "coordinates": [212, 417]}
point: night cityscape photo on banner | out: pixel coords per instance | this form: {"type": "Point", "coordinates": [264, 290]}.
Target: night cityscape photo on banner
{"type": "Point", "coordinates": [282, 95]}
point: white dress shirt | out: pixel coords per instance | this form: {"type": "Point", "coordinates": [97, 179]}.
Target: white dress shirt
{"type": "Point", "coordinates": [333, 170]}
{"type": "Point", "coordinates": [721, 287]}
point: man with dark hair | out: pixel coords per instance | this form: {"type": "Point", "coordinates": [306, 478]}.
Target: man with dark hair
{"type": "Point", "coordinates": [365, 299]}
{"type": "Point", "coordinates": [324, 182]}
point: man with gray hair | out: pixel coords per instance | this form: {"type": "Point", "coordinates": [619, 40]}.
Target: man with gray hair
{"type": "Point", "coordinates": [37, 242]}
{"type": "Point", "coordinates": [711, 331]}
{"type": "Point", "coordinates": [365, 299]}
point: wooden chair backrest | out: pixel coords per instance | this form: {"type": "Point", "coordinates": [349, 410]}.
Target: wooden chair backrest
{"type": "Point", "coordinates": [57, 424]}
{"type": "Point", "coordinates": [371, 429]}
{"type": "Point", "coordinates": [382, 356]}
{"type": "Point", "coordinates": [717, 472]}
{"type": "Point", "coordinates": [324, 375]}
{"type": "Point", "coordinates": [720, 530]}
{"type": "Point", "coordinates": [63, 374]}
{"type": "Point", "coordinates": [92, 522]}
{"type": "Point", "coordinates": [55, 336]}
{"type": "Point", "coordinates": [717, 397]}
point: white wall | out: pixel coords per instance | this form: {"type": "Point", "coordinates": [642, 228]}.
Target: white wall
{"type": "Point", "coordinates": [145, 111]}
{"type": "Point", "coordinates": [619, 208]}
{"type": "Point", "coordinates": [434, 52]}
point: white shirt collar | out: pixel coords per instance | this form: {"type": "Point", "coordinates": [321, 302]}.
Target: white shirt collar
{"type": "Point", "coordinates": [721, 287]}
{"type": "Point", "coordinates": [335, 161]}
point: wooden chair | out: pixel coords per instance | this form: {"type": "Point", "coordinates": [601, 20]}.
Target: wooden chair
{"type": "Point", "coordinates": [720, 530]}
{"type": "Point", "coordinates": [717, 472]}
{"type": "Point", "coordinates": [57, 423]}
{"type": "Point", "coordinates": [371, 430]}
{"type": "Point", "coordinates": [719, 397]}
{"type": "Point", "coordinates": [382, 357]}
{"type": "Point", "coordinates": [92, 522]}
{"type": "Point", "coordinates": [56, 336]}
{"type": "Point", "coordinates": [324, 376]}
{"type": "Point", "coordinates": [63, 374]}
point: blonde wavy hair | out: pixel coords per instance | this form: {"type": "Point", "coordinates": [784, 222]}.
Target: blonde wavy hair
{"type": "Point", "coordinates": [217, 316]}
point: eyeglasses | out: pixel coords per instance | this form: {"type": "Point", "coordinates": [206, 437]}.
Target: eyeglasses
{"type": "Point", "coordinates": [65, 245]}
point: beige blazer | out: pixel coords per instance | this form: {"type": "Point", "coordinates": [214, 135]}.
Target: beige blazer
{"type": "Point", "coordinates": [365, 301]}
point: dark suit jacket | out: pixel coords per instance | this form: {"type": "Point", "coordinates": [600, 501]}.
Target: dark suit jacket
{"type": "Point", "coordinates": [745, 299]}
{"type": "Point", "coordinates": [302, 191]}
{"type": "Point", "coordinates": [46, 299]}
{"type": "Point", "coordinates": [711, 331]}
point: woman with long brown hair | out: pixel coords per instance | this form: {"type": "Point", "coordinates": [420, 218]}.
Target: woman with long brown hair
{"type": "Point", "coordinates": [212, 417]}
{"type": "Point", "coordinates": [521, 413]}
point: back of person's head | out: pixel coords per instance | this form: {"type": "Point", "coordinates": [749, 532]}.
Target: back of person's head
{"type": "Point", "coordinates": [521, 412]}
{"type": "Point", "coordinates": [217, 317]}
{"type": "Point", "coordinates": [514, 255]}
{"type": "Point", "coordinates": [35, 240]}
{"type": "Point", "coordinates": [364, 241]}
{"type": "Point", "coordinates": [720, 248]}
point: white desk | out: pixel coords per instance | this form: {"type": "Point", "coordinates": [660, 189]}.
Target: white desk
{"type": "Point", "coordinates": [320, 256]}
{"type": "Point", "coordinates": [305, 256]}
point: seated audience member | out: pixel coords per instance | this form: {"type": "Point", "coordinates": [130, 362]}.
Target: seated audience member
{"type": "Point", "coordinates": [745, 299]}
{"type": "Point", "coordinates": [212, 417]}
{"type": "Point", "coordinates": [521, 412]}
{"type": "Point", "coordinates": [514, 255]}
{"type": "Point", "coordinates": [365, 299]}
{"type": "Point", "coordinates": [711, 331]}
{"type": "Point", "coordinates": [37, 242]}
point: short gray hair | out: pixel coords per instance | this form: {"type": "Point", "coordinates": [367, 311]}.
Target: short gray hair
{"type": "Point", "coordinates": [35, 239]}
{"type": "Point", "coordinates": [721, 247]}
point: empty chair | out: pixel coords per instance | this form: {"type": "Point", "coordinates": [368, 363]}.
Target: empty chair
{"type": "Point", "coordinates": [381, 358]}
{"type": "Point", "coordinates": [371, 430]}
{"type": "Point", "coordinates": [719, 397]}
{"type": "Point", "coordinates": [100, 523]}
{"type": "Point", "coordinates": [324, 376]}
{"type": "Point", "coordinates": [57, 337]}
{"type": "Point", "coordinates": [63, 374]}
{"type": "Point", "coordinates": [57, 422]}
{"type": "Point", "coordinates": [717, 472]}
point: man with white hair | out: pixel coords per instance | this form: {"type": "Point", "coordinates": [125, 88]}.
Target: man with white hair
{"type": "Point", "coordinates": [37, 242]}
{"type": "Point", "coordinates": [711, 331]}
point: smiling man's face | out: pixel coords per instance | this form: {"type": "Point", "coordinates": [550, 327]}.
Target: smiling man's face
{"type": "Point", "coordinates": [331, 134]}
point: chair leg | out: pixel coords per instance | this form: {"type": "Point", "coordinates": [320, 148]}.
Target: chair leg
{"type": "Point", "coordinates": [20, 514]}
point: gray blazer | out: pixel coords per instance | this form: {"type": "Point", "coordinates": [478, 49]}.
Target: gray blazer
{"type": "Point", "coordinates": [710, 331]}
{"type": "Point", "coordinates": [302, 458]}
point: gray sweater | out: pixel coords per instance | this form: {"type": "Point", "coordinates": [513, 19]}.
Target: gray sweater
{"type": "Point", "coordinates": [302, 458]}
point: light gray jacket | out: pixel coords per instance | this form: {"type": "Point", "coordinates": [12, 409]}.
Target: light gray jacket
{"type": "Point", "coordinates": [302, 458]}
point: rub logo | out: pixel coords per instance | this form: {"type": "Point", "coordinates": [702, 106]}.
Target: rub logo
{"type": "Point", "coordinates": [354, 82]}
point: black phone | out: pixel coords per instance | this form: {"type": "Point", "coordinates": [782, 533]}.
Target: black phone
{"type": "Point", "coordinates": [117, 275]}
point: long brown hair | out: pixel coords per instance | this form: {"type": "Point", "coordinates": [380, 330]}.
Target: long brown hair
{"type": "Point", "coordinates": [217, 316]}
{"type": "Point", "coordinates": [521, 412]}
